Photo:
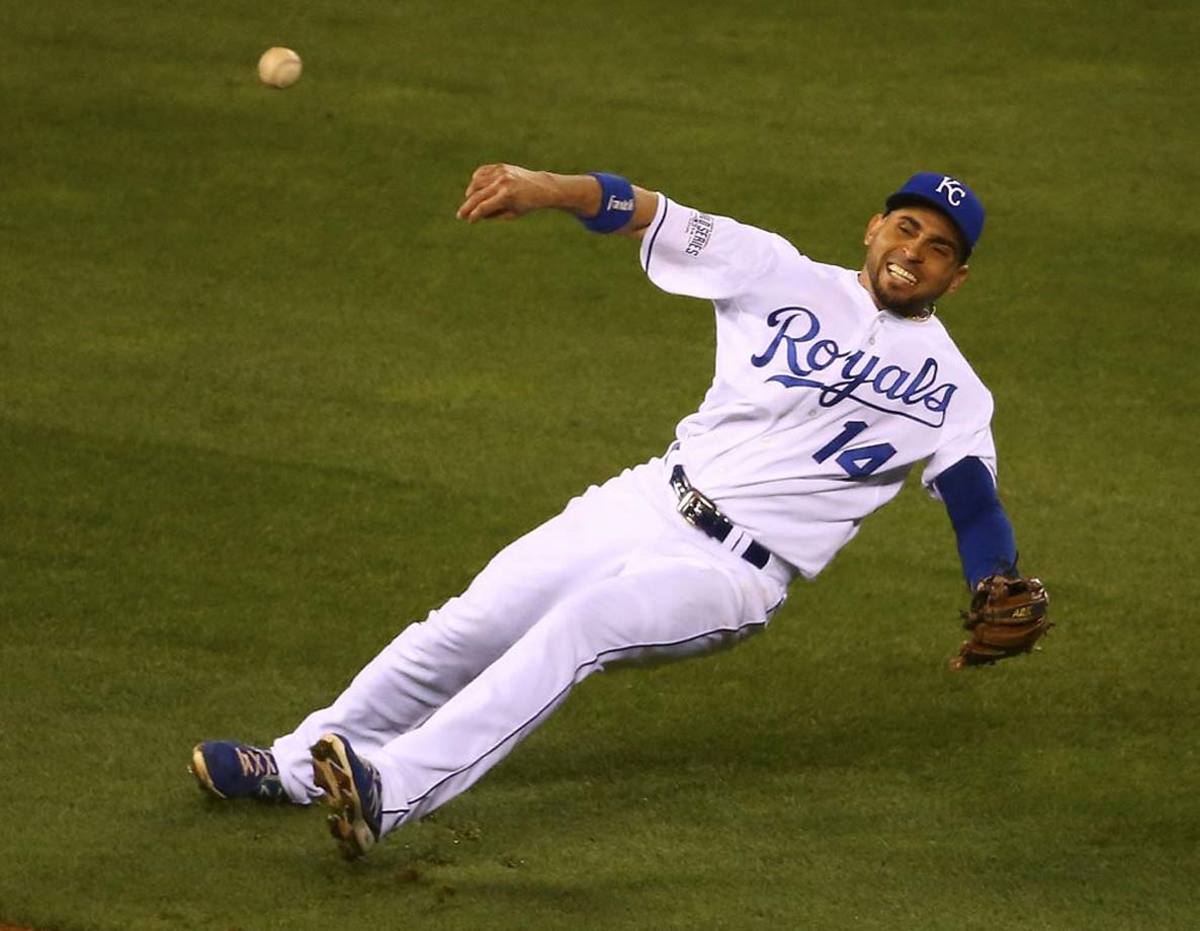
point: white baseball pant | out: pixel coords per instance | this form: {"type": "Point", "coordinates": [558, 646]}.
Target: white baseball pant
{"type": "Point", "coordinates": [617, 577]}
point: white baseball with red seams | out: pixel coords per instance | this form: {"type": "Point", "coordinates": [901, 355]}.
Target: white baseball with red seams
{"type": "Point", "coordinates": [279, 67]}
{"type": "Point", "coordinates": [820, 405]}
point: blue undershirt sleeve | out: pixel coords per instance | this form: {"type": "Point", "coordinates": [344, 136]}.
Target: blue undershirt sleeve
{"type": "Point", "coordinates": [986, 543]}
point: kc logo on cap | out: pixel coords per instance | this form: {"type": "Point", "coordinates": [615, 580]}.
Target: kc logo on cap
{"type": "Point", "coordinates": [947, 194]}
{"type": "Point", "coordinates": [954, 190]}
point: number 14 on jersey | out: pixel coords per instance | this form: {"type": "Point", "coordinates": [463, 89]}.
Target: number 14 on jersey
{"type": "Point", "coordinates": [861, 461]}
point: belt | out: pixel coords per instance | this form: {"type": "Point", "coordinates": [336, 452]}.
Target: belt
{"type": "Point", "coordinates": [699, 511]}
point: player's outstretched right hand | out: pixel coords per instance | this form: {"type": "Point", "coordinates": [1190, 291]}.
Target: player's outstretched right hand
{"type": "Point", "coordinates": [504, 192]}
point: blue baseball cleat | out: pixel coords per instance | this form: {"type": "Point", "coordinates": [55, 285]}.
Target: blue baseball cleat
{"type": "Point", "coordinates": [228, 769]}
{"type": "Point", "coordinates": [353, 790]}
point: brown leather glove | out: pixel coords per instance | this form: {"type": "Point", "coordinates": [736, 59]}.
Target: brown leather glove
{"type": "Point", "coordinates": [1007, 617]}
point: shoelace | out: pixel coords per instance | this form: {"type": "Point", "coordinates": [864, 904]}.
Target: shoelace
{"type": "Point", "coordinates": [375, 799]}
{"type": "Point", "coordinates": [255, 762]}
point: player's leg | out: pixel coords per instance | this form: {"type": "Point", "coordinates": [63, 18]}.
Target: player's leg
{"type": "Point", "coordinates": [431, 661]}
{"type": "Point", "coordinates": [685, 599]}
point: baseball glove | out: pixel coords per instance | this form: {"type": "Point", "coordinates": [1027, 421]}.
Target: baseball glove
{"type": "Point", "coordinates": [1007, 617]}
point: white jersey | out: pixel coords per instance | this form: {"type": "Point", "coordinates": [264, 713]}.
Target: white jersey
{"type": "Point", "coordinates": [821, 403]}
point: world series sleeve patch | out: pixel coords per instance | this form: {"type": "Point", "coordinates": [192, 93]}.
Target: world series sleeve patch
{"type": "Point", "coordinates": [703, 255]}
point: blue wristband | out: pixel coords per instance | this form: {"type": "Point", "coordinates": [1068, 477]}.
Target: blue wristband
{"type": "Point", "coordinates": [617, 201]}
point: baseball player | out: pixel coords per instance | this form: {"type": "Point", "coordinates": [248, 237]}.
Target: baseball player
{"type": "Point", "coordinates": [830, 385]}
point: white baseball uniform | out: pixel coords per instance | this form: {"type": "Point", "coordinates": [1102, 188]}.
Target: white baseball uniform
{"type": "Point", "coordinates": [820, 405]}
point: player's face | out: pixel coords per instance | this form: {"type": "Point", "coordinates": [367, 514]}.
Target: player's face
{"type": "Point", "coordinates": [913, 258]}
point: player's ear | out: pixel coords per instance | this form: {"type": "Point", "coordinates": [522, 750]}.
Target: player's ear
{"type": "Point", "coordinates": [873, 225]}
{"type": "Point", "coordinates": [960, 275]}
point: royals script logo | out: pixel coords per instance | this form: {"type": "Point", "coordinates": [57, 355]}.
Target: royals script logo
{"type": "Point", "coordinates": [821, 363]}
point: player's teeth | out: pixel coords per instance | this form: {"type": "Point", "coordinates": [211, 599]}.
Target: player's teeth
{"type": "Point", "coordinates": [902, 273]}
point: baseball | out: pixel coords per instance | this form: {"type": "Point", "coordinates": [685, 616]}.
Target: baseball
{"type": "Point", "coordinates": [279, 67]}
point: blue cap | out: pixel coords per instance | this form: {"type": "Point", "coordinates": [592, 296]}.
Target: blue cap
{"type": "Point", "coordinates": [947, 194]}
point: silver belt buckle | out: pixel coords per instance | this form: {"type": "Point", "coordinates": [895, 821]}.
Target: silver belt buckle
{"type": "Point", "coordinates": [692, 505]}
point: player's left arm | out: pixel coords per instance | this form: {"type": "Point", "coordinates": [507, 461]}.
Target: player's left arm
{"type": "Point", "coordinates": [1007, 615]}
{"type": "Point", "coordinates": [505, 192]}
{"type": "Point", "coordinates": [986, 542]}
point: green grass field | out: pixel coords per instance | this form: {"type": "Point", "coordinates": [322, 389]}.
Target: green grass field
{"type": "Point", "coordinates": [264, 401]}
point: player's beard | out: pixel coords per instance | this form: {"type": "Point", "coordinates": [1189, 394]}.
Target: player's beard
{"type": "Point", "coordinates": [919, 305]}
